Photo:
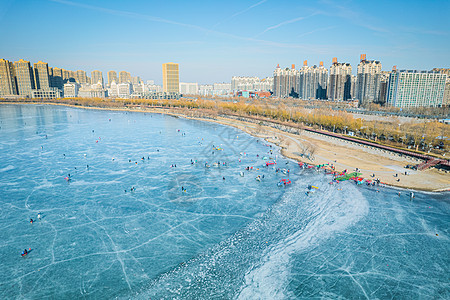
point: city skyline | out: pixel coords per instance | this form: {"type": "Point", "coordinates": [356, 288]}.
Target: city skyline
{"type": "Point", "coordinates": [213, 42]}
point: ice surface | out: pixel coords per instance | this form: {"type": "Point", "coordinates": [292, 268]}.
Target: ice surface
{"type": "Point", "coordinates": [97, 238]}
{"type": "Point", "coordinates": [223, 239]}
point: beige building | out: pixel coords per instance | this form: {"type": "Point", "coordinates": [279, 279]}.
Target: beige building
{"type": "Point", "coordinates": [7, 79]}
{"type": "Point", "coordinates": [25, 77]}
{"type": "Point", "coordinates": [446, 100]}
{"type": "Point", "coordinates": [96, 76]}
{"type": "Point", "coordinates": [124, 77]}
{"type": "Point", "coordinates": [41, 75]}
{"type": "Point", "coordinates": [171, 78]}
{"type": "Point", "coordinates": [81, 77]}
{"type": "Point", "coordinates": [112, 76]}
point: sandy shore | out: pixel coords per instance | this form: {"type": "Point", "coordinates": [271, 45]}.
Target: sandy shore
{"type": "Point", "coordinates": [344, 155]}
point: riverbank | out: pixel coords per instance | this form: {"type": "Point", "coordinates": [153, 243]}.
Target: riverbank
{"type": "Point", "coordinates": [388, 167]}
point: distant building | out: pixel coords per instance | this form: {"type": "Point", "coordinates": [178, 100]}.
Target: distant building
{"type": "Point", "coordinates": [112, 76]}
{"type": "Point", "coordinates": [242, 83]}
{"type": "Point", "coordinates": [443, 71]}
{"type": "Point", "coordinates": [412, 88]}
{"type": "Point", "coordinates": [124, 90]}
{"type": "Point", "coordinates": [48, 93]}
{"type": "Point", "coordinates": [353, 87]}
{"type": "Point", "coordinates": [205, 89]}
{"type": "Point", "coordinates": [96, 77]}
{"type": "Point", "coordinates": [221, 89]}
{"type": "Point", "coordinates": [189, 88]}
{"type": "Point", "coordinates": [92, 91]}
{"type": "Point", "coordinates": [124, 77]}
{"type": "Point", "coordinates": [136, 80]}
{"type": "Point", "coordinates": [446, 100]}
{"type": "Point", "coordinates": [339, 81]}
{"type": "Point", "coordinates": [171, 78]}
{"type": "Point", "coordinates": [65, 75]}
{"type": "Point", "coordinates": [81, 77]}
{"type": "Point", "coordinates": [285, 82]}
{"type": "Point", "coordinates": [8, 84]}
{"type": "Point", "coordinates": [113, 90]}
{"type": "Point", "coordinates": [154, 88]}
{"type": "Point", "coordinates": [139, 89]}
{"type": "Point", "coordinates": [25, 77]}
{"type": "Point", "coordinates": [384, 78]}
{"type": "Point", "coordinates": [57, 78]}
{"type": "Point", "coordinates": [368, 81]}
{"type": "Point", "coordinates": [161, 95]}
{"type": "Point", "coordinates": [71, 89]}
{"type": "Point", "coordinates": [312, 82]}
{"type": "Point", "coordinates": [41, 76]}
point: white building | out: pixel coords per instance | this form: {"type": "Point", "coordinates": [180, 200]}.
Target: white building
{"type": "Point", "coordinates": [154, 88]}
{"type": "Point", "coordinates": [221, 89]}
{"type": "Point", "coordinates": [412, 88]}
{"type": "Point", "coordinates": [113, 90]}
{"type": "Point", "coordinates": [189, 88]}
{"type": "Point", "coordinates": [313, 81]}
{"type": "Point", "coordinates": [139, 89]}
{"type": "Point", "coordinates": [242, 83]}
{"type": "Point", "coordinates": [205, 89]}
{"type": "Point", "coordinates": [71, 89]}
{"type": "Point", "coordinates": [285, 81]}
{"type": "Point", "coordinates": [92, 91]}
{"type": "Point", "coordinates": [124, 89]}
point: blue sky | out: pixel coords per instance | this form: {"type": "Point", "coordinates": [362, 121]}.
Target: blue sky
{"type": "Point", "coordinates": [214, 40]}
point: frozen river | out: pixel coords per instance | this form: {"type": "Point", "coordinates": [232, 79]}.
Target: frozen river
{"type": "Point", "coordinates": [120, 225]}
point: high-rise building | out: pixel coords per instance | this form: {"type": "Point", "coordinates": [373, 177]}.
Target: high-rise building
{"type": "Point", "coordinates": [72, 76]}
{"type": "Point", "coordinates": [65, 75]}
{"type": "Point", "coordinates": [41, 76]}
{"type": "Point", "coordinates": [442, 71]}
{"type": "Point", "coordinates": [313, 81]}
{"type": "Point", "coordinates": [112, 76]}
{"type": "Point", "coordinates": [368, 80]}
{"type": "Point", "coordinates": [57, 78]}
{"type": "Point", "coordinates": [96, 77]}
{"type": "Point", "coordinates": [446, 100]}
{"type": "Point", "coordinates": [124, 77]}
{"type": "Point", "coordinates": [384, 78]}
{"type": "Point", "coordinates": [353, 86]}
{"type": "Point", "coordinates": [25, 77]}
{"type": "Point", "coordinates": [81, 77]}
{"type": "Point", "coordinates": [339, 81]}
{"type": "Point", "coordinates": [171, 78]}
{"type": "Point", "coordinates": [8, 84]}
{"type": "Point", "coordinates": [412, 88]}
{"type": "Point", "coordinates": [285, 82]}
